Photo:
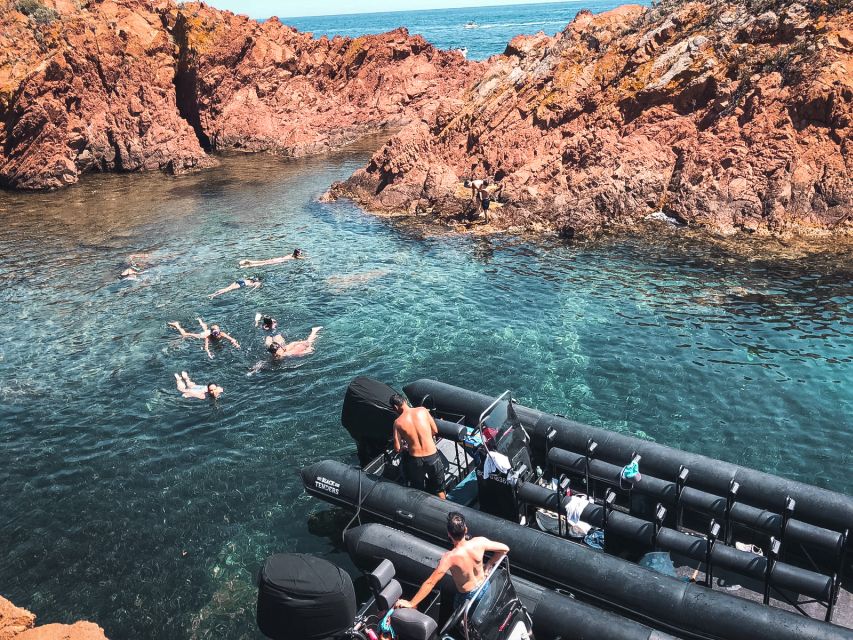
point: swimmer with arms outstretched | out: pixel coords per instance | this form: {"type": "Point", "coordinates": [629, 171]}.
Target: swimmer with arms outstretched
{"type": "Point", "coordinates": [213, 334]}
{"type": "Point", "coordinates": [248, 283]}
{"type": "Point", "coordinates": [190, 389]}
{"type": "Point", "coordinates": [279, 349]}
{"type": "Point", "coordinates": [296, 255]}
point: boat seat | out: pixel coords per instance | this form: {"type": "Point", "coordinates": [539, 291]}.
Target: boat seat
{"type": "Point", "coordinates": [411, 624]}
{"type": "Point", "coordinates": [379, 578]}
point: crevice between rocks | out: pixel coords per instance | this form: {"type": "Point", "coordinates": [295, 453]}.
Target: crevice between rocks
{"type": "Point", "coordinates": [186, 83]}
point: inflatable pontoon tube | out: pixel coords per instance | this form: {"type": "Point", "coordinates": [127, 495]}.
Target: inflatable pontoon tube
{"type": "Point", "coordinates": [814, 505]}
{"type": "Point", "coordinates": [554, 615]}
{"type": "Point", "coordinates": [662, 601]}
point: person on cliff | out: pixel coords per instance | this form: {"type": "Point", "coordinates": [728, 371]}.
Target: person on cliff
{"type": "Point", "coordinates": [297, 254]}
{"type": "Point", "coordinates": [190, 389]}
{"type": "Point", "coordinates": [421, 463]}
{"type": "Point", "coordinates": [248, 283]}
{"type": "Point", "coordinates": [481, 196]}
{"type": "Point", "coordinates": [279, 348]}
{"type": "Point", "coordinates": [464, 562]}
{"type": "Point", "coordinates": [213, 334]}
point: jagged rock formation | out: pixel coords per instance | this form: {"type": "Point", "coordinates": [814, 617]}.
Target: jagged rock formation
{"type": "Point", "coordinates": [732, 115]}
{"type": "Point", "coordinates": [126, 85]}
{"type": "Point", "coordinates": [19, 624]}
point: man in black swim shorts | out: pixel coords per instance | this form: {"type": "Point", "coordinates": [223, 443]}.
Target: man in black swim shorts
{"type": "Point", "coordinates": [423, 465]}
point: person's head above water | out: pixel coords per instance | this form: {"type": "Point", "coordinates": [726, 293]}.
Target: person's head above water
{"type": "Point", "coordinates": [274, 347]}
{"type": "Point", "coordinates": [297, 253]}
{"type": "Point", "coordinates": [215, 331]}
{"type": "Point", "coordinates": [214, 390]}
{"type": "Point", "coordinates": [268, 323]}
{"type": "Point", "coordinates": [397, 402]}
{"type": "Point", "coordinates": [457, 528]}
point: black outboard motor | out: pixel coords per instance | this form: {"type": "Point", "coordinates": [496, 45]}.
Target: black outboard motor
{"type": "Point", "coordinates": [302, 597]}
{"type": "Point", "coordinates": [368, 417]}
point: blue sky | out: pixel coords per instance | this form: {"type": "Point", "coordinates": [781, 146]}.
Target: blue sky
{"type": "Point", "coordinates": [291, 9]}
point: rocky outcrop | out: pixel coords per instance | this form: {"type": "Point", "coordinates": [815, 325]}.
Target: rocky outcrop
{"type": "Point", "coordinates": [731, 115]}
{"type": "Point", "coordinates": [127, 85]}
{"type": "Point", "coordinates": [19, 624]}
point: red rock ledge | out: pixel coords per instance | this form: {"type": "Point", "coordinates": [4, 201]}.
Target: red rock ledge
{"type": "Point", "coordinates": [128, 85]}
{"type": "Point", "coordinates": [731, 115]}
{"type": "Point", "coordinates": [19, 624]}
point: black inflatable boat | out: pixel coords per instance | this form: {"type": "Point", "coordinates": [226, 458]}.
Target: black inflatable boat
{"type": "Point", "coordinates": [303, 597]}
{"type": "Point", "coordinates": [554, 614]}
{"type": "Point", "coordinates": [682, 608]}
{"type": "Point", "coordinates": [785, 557]}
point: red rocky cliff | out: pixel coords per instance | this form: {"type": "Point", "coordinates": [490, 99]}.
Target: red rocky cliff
{"type": "Point", "coordinates": [19, 624]}
{"type": "Point", "coordinates": [730, 115]}
{"type": "Point", "coordinates": [131, 85]}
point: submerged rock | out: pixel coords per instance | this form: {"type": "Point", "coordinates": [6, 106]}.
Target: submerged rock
{"type": "Point", "coordinates": [712, 113]}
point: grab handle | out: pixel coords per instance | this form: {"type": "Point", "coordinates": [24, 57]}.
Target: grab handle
{"type": "Point", "coordinates": [406, 515]}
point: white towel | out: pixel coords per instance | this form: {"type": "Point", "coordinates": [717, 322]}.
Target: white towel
{"type": "Point", "coordinates": [575, 508]}
{"type": "Point", "coordinates": [495, 463]}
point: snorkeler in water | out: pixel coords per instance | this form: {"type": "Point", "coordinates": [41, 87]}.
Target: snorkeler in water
{"type": "Point", "coordinates": [249, 283]}
{"type": "Point", "coordinates": [297, 254]}
{"type": "Point", "coordinates": [279, 348]}
{"type": "Point", "coordinates": [212, 334]}
{"type": "Point", "coordinates": [136, 265]}
{"type": "Point", "coordinates": [267, 323]}
{"type": "Point", "coordinates": [190, 389]}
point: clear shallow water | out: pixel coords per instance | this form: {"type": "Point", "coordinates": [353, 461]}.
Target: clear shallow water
{"type": "Point", "coordinates": [125, 504]}
{"type": "Point", "coordinates": [484, 31]}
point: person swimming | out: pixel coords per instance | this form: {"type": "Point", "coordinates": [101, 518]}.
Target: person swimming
{"type": "Point", "coordinates": [267, 323]}
{"type": "Point", "coordinates": [251, 283]}
{"type": "Point", "coordinates": [297, 254]}
{"type": "Point", "coordinates": [279, 348]}
{"type": "Point", "coordinates": [212, 334]}
{"type": "Point", "coordinates": [190, 389]}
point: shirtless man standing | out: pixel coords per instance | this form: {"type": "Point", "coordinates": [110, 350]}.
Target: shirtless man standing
{"type": "Point", "coordinates": [423, 466]}
{"type": "Point", "coordinates": [464, 561]}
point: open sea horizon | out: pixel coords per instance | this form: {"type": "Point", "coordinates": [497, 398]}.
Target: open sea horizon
{"type": "Point", "coordinates": [482, 31]}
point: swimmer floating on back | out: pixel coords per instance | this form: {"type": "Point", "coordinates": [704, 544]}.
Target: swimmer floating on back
{"type": "Point", "coordinates": [190, 389]}
{"type": "Point", "coordinates": [213, 334]}
{"type": "Point", "coordinates": [239, 284]}
{"type": "Point", "coordinates": [279, 349]}
{"type": "Point", "coordinates": [136, 265]}
{"type": "Point", "coordinates": [296, 255]}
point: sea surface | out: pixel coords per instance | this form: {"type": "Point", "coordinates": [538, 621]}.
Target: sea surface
{"type": "Point", "coordinates": [150, 514]}
{"type": "Point", "coordinates": [482, 31]}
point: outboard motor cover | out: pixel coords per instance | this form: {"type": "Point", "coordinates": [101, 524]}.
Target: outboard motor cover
{"type": "Point", "coordinates": [302, 597]}
{"type": "Point", "coordinates": [368, 417]}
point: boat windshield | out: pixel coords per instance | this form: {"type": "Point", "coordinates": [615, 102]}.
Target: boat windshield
{"type": "Point", "coordinates": [485, 615]}
{"type": "Point", "coordinates": [510, 438]}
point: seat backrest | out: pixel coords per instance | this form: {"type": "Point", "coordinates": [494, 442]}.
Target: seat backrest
{"type": "Point", "coordinates": [388, 597]}
{"type": "Point", "coordinates": [381, 576]}
{"type": "Point", "coordinates": [411, 624]}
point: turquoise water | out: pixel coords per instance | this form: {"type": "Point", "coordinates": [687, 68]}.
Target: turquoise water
{"type": "Point", "coordinates": [125, 504]}
{"type": "Point", "coordinates": [483, 31]}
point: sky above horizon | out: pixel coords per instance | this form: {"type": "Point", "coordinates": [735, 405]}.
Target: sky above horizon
{"type": "Point", "coordinates": [291, 9]}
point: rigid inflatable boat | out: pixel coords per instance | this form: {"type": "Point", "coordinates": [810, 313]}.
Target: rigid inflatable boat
{"type": "Point", "coordinates": [303, 597]}
{"type": "Point", "coordinates": [554, 614]}
{"type": "Point", "coordinates": [784, 557]}
{"type": "Point", "coordinates": [682, 608]}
